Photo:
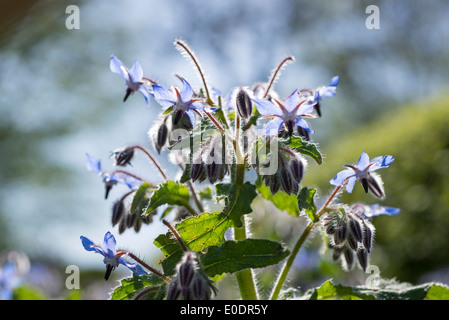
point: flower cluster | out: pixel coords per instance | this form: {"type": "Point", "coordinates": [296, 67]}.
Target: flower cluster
{"type": "Point", "coordinates": [217, 139]}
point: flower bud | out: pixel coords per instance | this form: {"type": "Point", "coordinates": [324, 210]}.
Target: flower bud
{"type": "Point", "coordinates": [118, 210]}
{"type": "Point", "coordinates": [367, 236]}
{"type": "Point", "coordinates": [196, 170]}
{"type": "Point", "coordinates": [286, 180]}
{"type": "Point", "coordinates": [173, 290]}
{"type": "Point", "coordinates": [243, 103]}
{"type": "Point", "coordinates": [341, 232]}
{"type": "Point", "coordinates": [161, 137]}
{"type": "Point", "coordinates": [123, 156]}
{"type": "Point", "coordinates": [355, 229]}
{"type": "Point", "coordinates": [297, 168]}
{"type": "Point", "coordinates": [352, 242]}
{"type": "Point", "coordinates": [362, 257]}
{"type": "Point", "coordinates": [349, 258]}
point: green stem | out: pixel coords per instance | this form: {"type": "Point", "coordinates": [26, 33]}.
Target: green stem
{"type": "Point", "coordinates": [244, 277]}
{"type": "Point", "coordinates": [298, 245]}
{"type": "Point", "coordinates": [248, 290]}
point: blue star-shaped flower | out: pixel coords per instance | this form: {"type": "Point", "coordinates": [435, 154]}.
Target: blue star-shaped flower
{"type": "Point", "coordinates": [133, 77]}
{"type": "Point", "coordinates": [289, 113]}
{"type": "Point", "coordinates": [364, 172]}
{"type": "Point", "coordinates": [112, 256]}
{"type": "Point", "coordinates": [110, 179]}
{"type": "Point", "coordinates": [182, 100]}
{"type": "Point", "coordinates": [322, 92]}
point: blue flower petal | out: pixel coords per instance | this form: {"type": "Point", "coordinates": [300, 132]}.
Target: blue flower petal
{"type": "Point", "coordinates": [144, 91]}
{"type": "Point", "coordinates": [136, 72]}
{"type": "Point", "coordinates": [266, 107]}
{"type": "Point", "coordinates": [186, 91]}
{"type": "Point", "coordinates": [93, 164]}
{"type": "Point", "coordinates": [376, 210]}
{"type": "Point", "coordinates": [334, 81]}
{"type": "Point", "coordinates": [90, 246]}
{"type": "Point", "coordinates": [117, 66]}
{"type": "Point", "coordinates": [341, 177]}
{"type": "Point", "coordinates": [163, 96]}
{"type": "Point", "coordinates": [363, 161]}
{"type": "Point", "coordinates": [109, 244]}
{"type": "Point", "coordinates": [300, 122]}
{"type": "Point", "coordinates": [351, 184]}
{"type": "Point", "coordinates": [292, 101]}
{"type": "Point", "coordinates": [273, 126]}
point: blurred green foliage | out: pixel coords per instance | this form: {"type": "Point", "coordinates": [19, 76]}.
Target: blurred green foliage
{"type": "Point", "coordinates": [414, 242]}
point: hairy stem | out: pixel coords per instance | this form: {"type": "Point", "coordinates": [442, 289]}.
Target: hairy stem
{"type": "Point", "coordinates": [298, 245]}
{"type": "Point", "coordinates": [156, 163]}
{"type": "Point", "coordinates": [275, 73]}
{"type": "Point", "coordinates": [144, 264]}
{"type": "Point", "coordinates": [176, 234]}
{"type": "Point", "coordinates": [187, 50]}
{"type": "Point", "coordinates": [248, 289]}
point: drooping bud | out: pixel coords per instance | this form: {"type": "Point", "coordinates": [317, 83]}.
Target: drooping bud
{"type": "Point", "coordinates": [297, 168]}
{"type": "Point", "coordinates": [243, 103]}
{"type": "Point", "coordinates": [190, 283]}
{"type": "Point", "coordinates": [286, 180]}
{"type": "Point", "coordinates": [123, 156]}
{"type": "Point", "coordinates": [341, 232]}
{"type": "Point", "coordinates": [349, 258]}
{"type": "Point", "coordinates": [362, 257]}
{"type": "Point", "coordinates": [355, 229]}
{"type": "Point", "coordinates": [352, 241]}
{"type": "Point", "coordinates": [186, 271]}
{"type": "Point", "coordinates": [196, 171]}
{"type": "Point", "coordinates": [161, 137]}
{"type": "Point", "coordinates": [118, 210]}
{"type": "Point", "coordinates": [367, 236]}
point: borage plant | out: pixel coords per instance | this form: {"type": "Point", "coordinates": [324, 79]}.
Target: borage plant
{"type": "Point", "coordinates": [230, 148]}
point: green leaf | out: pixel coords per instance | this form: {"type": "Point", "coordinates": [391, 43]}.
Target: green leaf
{"type": "Point", "coordinates": [141, 198]}
{"type": "Point", "coordinates": [131, 286]}
{"type": "Point", "coordinates": [306, 202]}
{"type": "Point", "coordinates": [237, 200]}
{"type": "Point", "coordinates": [280, 199]}
{"type": "Point", "coordinates": [384, 290]}
{"type": "Point", "coordinates": [170, 193]}
{"type": "Point", "coordinates": [198, 232]}
{"type": "Point", "coordinates": [305, 147]}
{"type": "Point", "coordinates": [233, 256]}
{"type": "Point", "coordinates": [205, 230]}
{"type": "Point", "coordinates": [331, 291]}
{"type": "Point", "coordinates": [172, 251]}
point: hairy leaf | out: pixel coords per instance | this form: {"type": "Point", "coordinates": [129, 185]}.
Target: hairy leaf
{"type": "Point", "coordinates": [205, 230]}
{"type": "Point", "coordinates": [306, 202]}
{"type": "Point", "coordinates": [385, 290]}
{"type": "Point", "coordinates": [237, 200]}
{"type": "Point", "coordinates": [233, 256]}
{"type": "Point", "coordinates": [141, 198]}
{"type": "Point", "coordinates": [131, 286]}
{"type": "Point", "coordinates": [170, 193]}
{"type": "Point", "coordinates": [304, 147]}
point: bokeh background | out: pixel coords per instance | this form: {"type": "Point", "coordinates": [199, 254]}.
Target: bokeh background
{"type": "Point", "coordinates": [58, 100]}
